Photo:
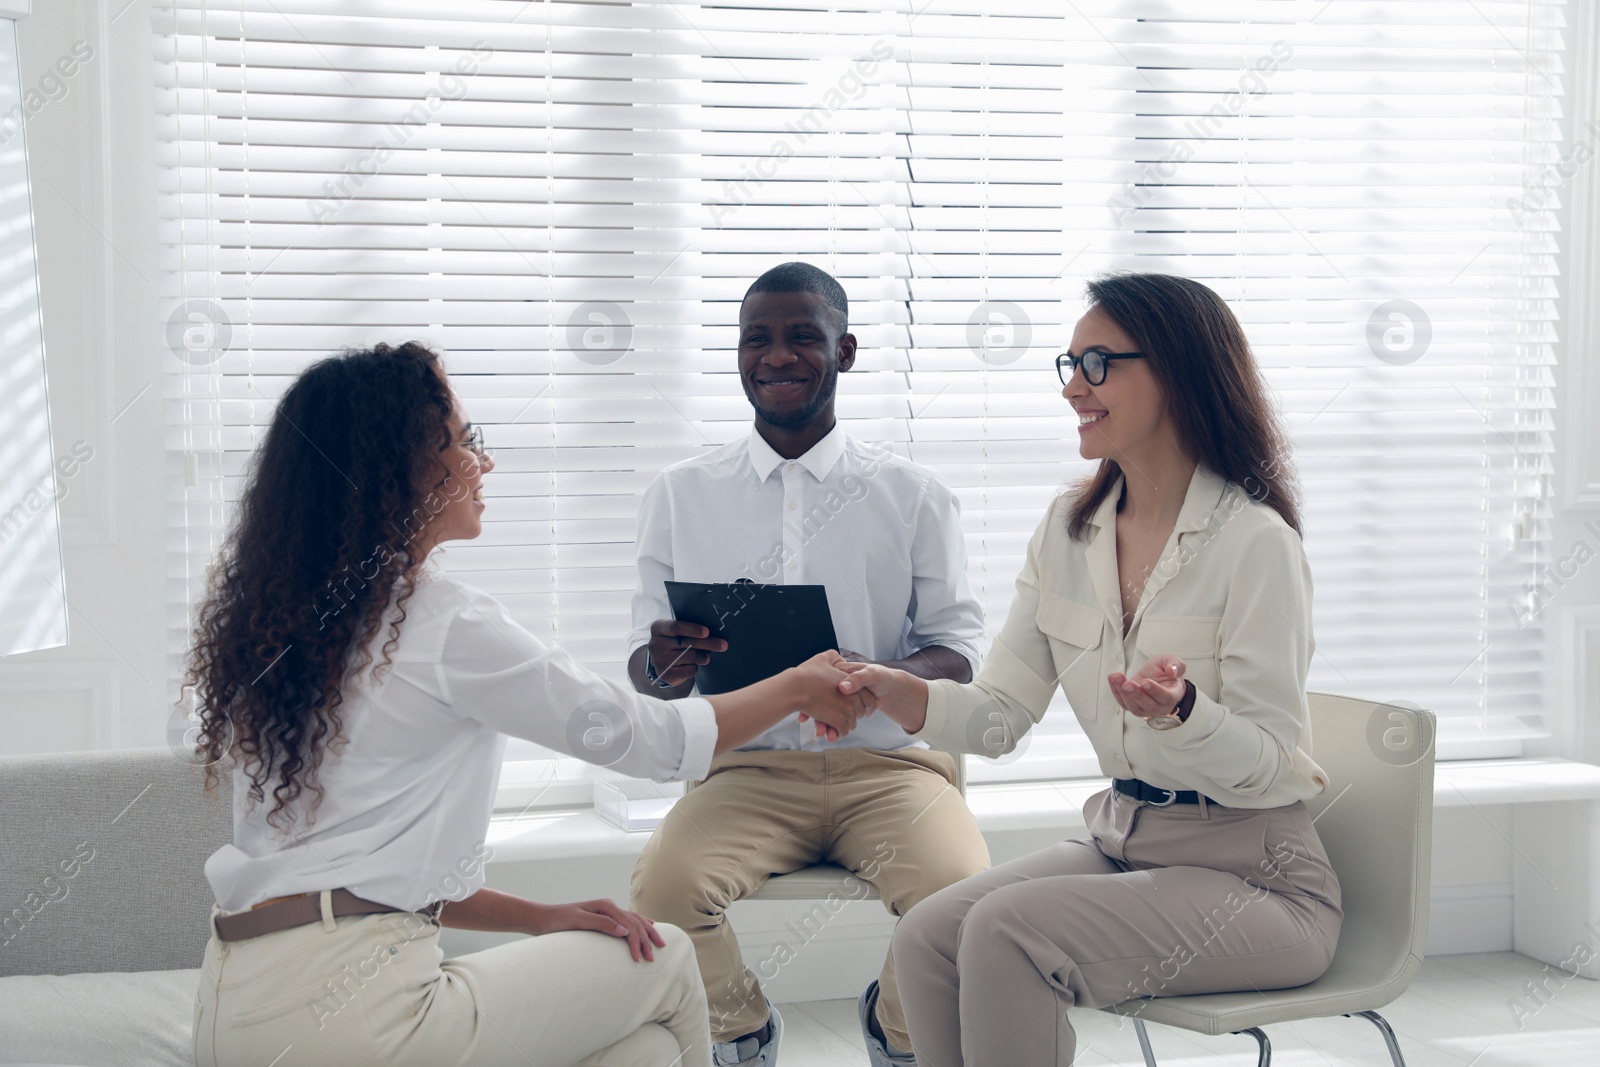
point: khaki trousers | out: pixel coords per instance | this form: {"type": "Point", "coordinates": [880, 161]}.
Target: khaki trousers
{"type": "Point", "coordinates": [1191, 898]}
{"type": "Point", "coordinates": [375, 991]}
{"type": "Point", "coordinates": [893, 818]}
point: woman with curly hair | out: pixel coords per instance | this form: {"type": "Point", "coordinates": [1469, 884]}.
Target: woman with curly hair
{"type": "Point", "coordinates": [1169, 599]}
{"type": "Point", "coordinates": [364, 699]}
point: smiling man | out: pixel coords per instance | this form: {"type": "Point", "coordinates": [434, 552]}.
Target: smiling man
{"type": "Point", "coordinates": [799, 501]}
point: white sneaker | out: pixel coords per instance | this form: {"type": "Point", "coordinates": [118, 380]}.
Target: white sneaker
{"type": "Point", "coordinates": [748, 1051]}
{"type": "Point", "coordinates": [879, 1053]}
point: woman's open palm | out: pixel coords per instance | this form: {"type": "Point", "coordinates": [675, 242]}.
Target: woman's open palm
{"type": "Point", "coordinates": [1154, 689]}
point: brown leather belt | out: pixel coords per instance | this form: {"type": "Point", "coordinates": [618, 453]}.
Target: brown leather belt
{"type": "Point", "coordinates": [289, 912]}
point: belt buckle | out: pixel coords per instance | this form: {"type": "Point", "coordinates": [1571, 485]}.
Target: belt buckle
{"type": "Point", "coordinates": [1172, 798]}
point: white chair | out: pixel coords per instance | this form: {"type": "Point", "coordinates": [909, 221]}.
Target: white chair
{"type": "Point", "coordinates": [1376, 820]}
{"type": "Point", "coordinates": [822, 880]}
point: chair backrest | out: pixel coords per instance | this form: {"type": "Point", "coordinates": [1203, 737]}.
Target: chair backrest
{"type": "Point", "coordinates": [1376, 821]}
{"type": "Point", "coordinates": [104, 856]}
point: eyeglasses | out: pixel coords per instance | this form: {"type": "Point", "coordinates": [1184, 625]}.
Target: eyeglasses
{"type": "Point", "coordinates": [474, 443]}
{"type": "Point", "coordinates": [1093, 363]}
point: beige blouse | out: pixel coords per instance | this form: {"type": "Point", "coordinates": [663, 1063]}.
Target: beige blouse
{"type": "Point", "coordinates": [1230, 595]}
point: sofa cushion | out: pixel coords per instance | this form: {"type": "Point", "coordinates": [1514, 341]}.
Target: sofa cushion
{"type": "Point", "coordinates": [99, 1019]}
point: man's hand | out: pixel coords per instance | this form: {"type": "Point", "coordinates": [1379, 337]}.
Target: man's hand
{"type": "Point", "coordinates": [678, 650]}
{"type": "Point", "coordinates": [1154, 689]}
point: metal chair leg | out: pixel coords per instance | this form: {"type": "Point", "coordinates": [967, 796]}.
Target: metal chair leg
{"type": "Point", "coordinates": [1144, 1042]}
{"type": "Point", "coordinates": [1263, 1058]}
{"type": "Point", "coordinates": [1386, 1030]}
{"type": "Point", "coordinates": [1264, 1054]}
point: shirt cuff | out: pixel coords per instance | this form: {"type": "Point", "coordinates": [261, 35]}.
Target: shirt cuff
{"type": "Point", "coordinates": [699, 738]}
{"type": "Point", "coordinates": [937, 718]}
{"type": "Point", "coordinates": [1204, 720]}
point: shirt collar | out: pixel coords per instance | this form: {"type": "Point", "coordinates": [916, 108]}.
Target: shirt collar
{"type": "Point", "coordinates": [820, 459]}
{"type": "Point", "coordinates": [1201, 501]}
{"type": "Point", "coordinates": [1202, 498]}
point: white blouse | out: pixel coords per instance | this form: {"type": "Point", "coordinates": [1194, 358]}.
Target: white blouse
{"type": "Point", "coordinates": [1230, 595]}
{"type": "Point", "coordinates": [408, 796]}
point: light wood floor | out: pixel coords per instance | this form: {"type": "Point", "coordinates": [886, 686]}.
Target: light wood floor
{"type": "Point", "coordinates": [1456, 1014]}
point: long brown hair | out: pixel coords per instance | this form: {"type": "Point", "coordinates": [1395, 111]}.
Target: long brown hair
{"type": "Point", "coordinates": [324, 532]}
{"type": "Point", "coordinates": [1216, 396]}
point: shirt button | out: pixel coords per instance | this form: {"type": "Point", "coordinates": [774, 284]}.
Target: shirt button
{"type": "Point", "coordinates": [792, 505]}
{"type": "Point", "coordinates": [794, 566]}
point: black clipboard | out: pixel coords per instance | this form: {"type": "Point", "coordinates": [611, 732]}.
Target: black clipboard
{"type": "Point", "coordinates": [769, 628]}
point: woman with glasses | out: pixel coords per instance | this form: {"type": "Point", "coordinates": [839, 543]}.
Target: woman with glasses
{"type": "Point", "coordinates": [1169, 599]}
{"type": "Point", "coordinates": [363, 698]}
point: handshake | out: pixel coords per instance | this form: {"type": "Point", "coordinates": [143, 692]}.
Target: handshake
{"type": "Point", "coordinates": [836, 693]}
{"type": "Point", "coordinates": [834, 689]}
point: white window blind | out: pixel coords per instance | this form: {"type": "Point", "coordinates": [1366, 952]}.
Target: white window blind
{"type": "Point", "coordinates": [570, 199]}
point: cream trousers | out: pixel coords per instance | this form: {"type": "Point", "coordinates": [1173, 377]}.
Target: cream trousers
{"type": "Point", "coordinates": [894, 818]}
{"type": "Point", "coordinates": [1191, 898]}
{"type": "Point", "coordinates": [376, 990]}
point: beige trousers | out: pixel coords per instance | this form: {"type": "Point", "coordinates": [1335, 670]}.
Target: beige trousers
{"type": "Point", "coordinates": [1158, 902]}
{"type": "Point", "coordinates": [375, 991]}
{"type": "Point", "coordinates": [894, 818]}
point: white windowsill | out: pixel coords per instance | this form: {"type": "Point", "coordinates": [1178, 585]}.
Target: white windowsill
{"type": "Point", "coordinates": [577, 833]}
{"type": "Point", "coordinates": [566, 854]}
{"type": "Point", "coordinates": [1513, 781]}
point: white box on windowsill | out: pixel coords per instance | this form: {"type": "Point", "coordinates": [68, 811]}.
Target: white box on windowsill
{"type": "Point", "coordinates": [635, 803]}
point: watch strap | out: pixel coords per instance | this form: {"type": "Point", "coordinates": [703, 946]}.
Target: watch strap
{"type": "Point", "coordinates": [1185, 703]}
{"type": "Point", "coordinates": [650, 671]}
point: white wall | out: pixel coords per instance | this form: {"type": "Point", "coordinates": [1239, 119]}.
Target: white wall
{"type": "Point", "coordinates": [94, 191]}
{"type": "Point", "coordinates": [94, 199]}
{"type": "Point", "coordinates": [1573, 617]}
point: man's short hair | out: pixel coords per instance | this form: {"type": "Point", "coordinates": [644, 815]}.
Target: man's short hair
{"type": "Point", "coordinates": [797, 277]}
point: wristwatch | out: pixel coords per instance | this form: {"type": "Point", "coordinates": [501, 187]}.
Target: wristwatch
{"type": "Point", "coordinates": [650, 672]}
{"type": "Point", "coordinates": [1179, 714]}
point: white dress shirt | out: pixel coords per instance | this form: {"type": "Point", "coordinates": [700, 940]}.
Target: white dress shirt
{"type": "Point", "coordinates": [881, 533]}
{"type": "Point", "coordinates": [408, 796]}
{"type": "Point", "coordinates": [1230, 595]}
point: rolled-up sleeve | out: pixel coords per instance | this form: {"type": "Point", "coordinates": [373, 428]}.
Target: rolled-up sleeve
{"type": "Point", "coordinates": [944, 610]}
{"type": "Point", "coordinates": [654, 562]}
{"type": "Point", "coordinates": [1013, 690]}
{"type": "Point", "coordinates": [1246, 741]}
{"type": "Point", "coordinates": [497, 673]}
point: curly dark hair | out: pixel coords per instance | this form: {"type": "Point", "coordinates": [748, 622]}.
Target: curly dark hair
{"type": "Point", "coordinates": [1197, 352]}
{"type": "Point", "coordinates": [324, 536]}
